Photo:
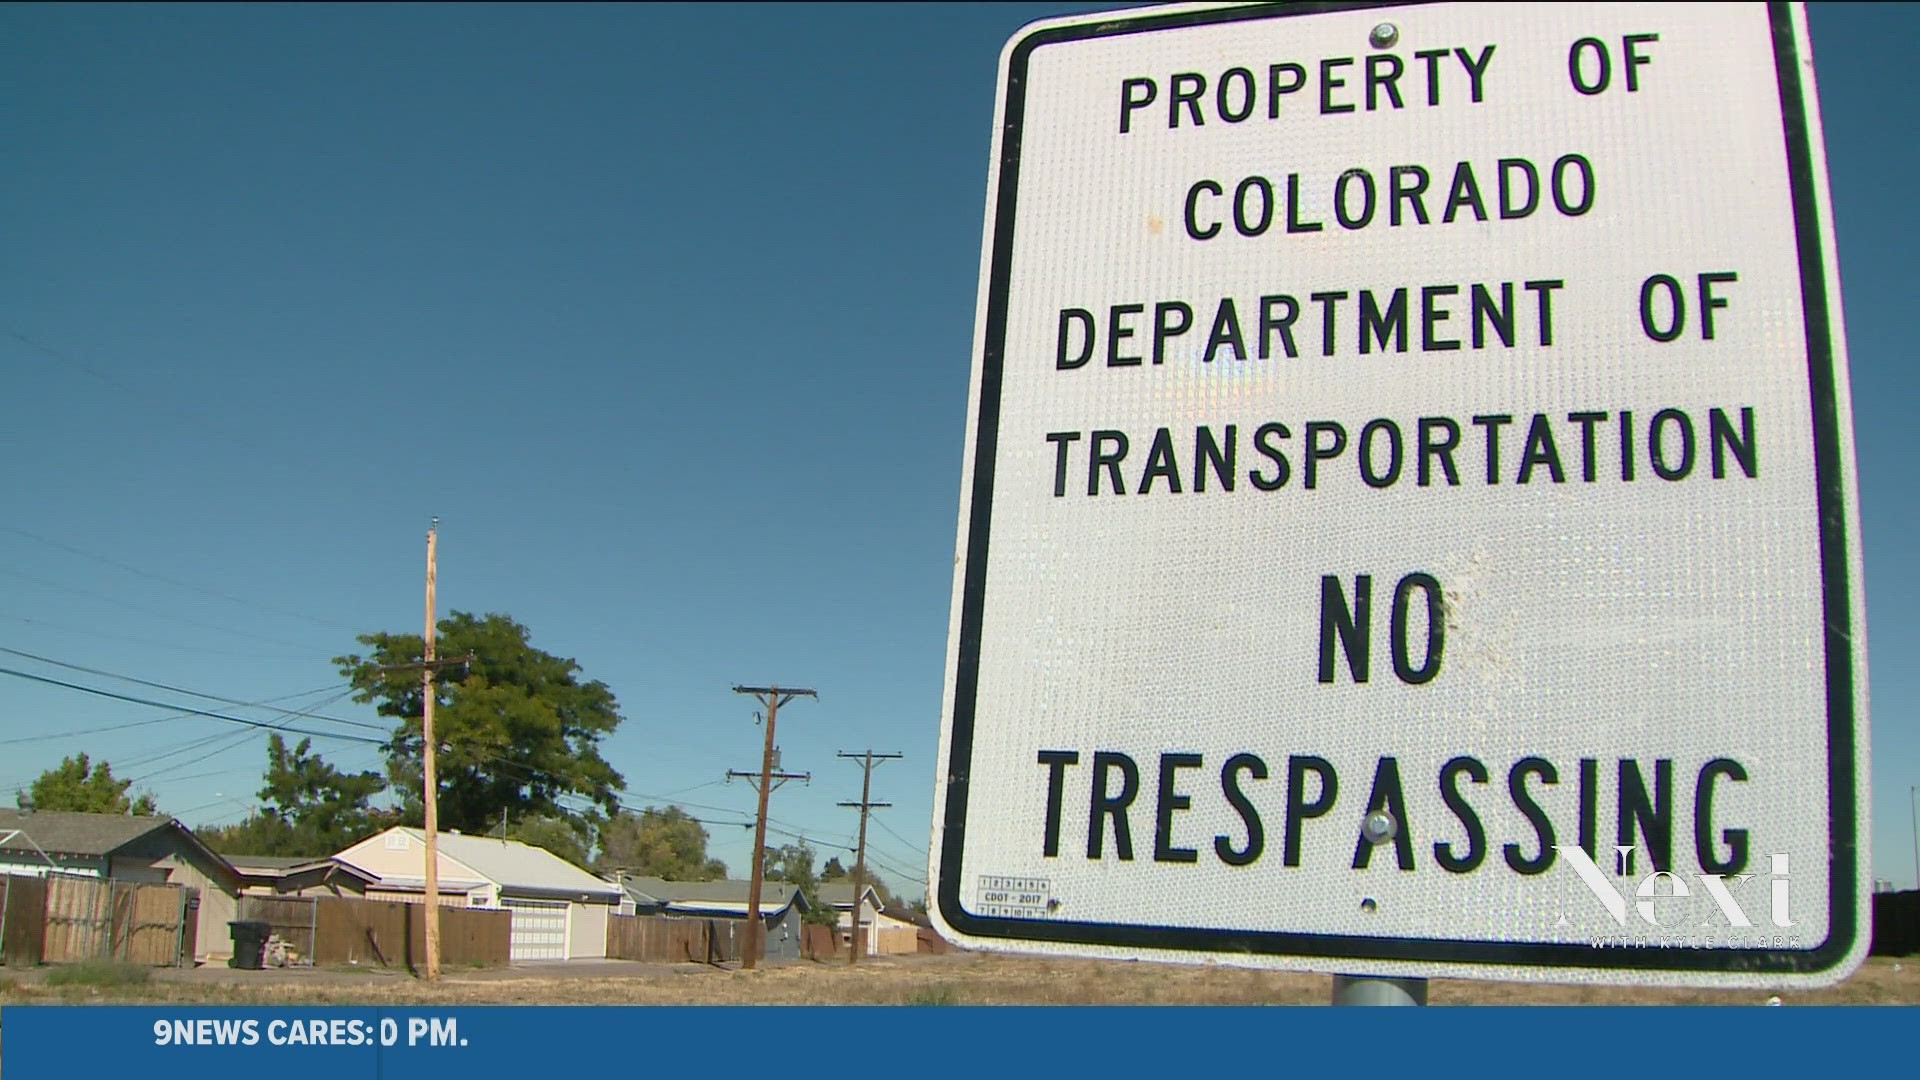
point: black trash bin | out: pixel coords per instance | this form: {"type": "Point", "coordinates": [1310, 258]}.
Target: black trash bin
{"type": "Point", "coordinates": [249, 944]}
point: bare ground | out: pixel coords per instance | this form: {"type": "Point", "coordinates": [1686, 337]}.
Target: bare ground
{"type": "Point", "coordinates": [959, 979]}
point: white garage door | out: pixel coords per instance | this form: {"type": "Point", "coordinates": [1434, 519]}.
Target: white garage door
{"type": "Point", "coordinates": [539, 929]}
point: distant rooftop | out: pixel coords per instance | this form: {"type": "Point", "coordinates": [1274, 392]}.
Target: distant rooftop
{"type": "Point", "coordinates": [839, 893]}
{"type": "Point", "coordinates": [64, 833]}
{"type": "Point", "coordinates": [773, 894]}
{"type": "Point", "coordinates": [273, 862]}
{"type": "Point", "coordinates": [517, 866]}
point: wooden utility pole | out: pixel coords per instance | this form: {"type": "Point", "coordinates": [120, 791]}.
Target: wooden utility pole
{"type": "Point", "coordinates": [430, 785]}
{"type": "Point", "coordinates": [857, 944]}
{"type": "Point", "coordinates": [772, 697]}
{"type": "Point", "coordinates": [429, 780]}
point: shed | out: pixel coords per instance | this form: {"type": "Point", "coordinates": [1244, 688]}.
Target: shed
{"type": "Point", "coordinates": [124, 847]}
{"type": "Point", "coordinates": [782, 906]}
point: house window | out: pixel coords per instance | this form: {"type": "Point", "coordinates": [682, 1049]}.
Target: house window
{"type": "Point", "coordinates": [397, 841]}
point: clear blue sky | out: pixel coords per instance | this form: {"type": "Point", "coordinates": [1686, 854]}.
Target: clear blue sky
{"type": "Point", "coordinates": [666, 312]}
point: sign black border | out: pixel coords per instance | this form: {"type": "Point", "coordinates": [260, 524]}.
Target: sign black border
{"type": "Point", "coordinates": [1830, 482]}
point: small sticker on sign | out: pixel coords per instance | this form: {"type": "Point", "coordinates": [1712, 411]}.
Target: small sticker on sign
{"type": "Point", "coordinates": [1015, 897]}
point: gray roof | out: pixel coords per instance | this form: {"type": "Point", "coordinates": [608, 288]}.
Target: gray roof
{"type": "Point", "coordinates": [272, 862]}
{"type": "Point", "coordinates": [64, 834]}
{"type": "Point", "coordinates": [59, 832]}
{"type": "Point", "coordinates": [773, 894]}
{"type": "Point", "coordinates": [839, 893]}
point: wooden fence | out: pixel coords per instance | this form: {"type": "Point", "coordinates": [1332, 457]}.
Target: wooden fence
{"type": "Point", "coordinates": [818, 942]}
{"type": "Point", "coordinates": [62, 919]}
{"type": "Point", "coordinates": [342, 930]}
{"type": "Point", "coordinates": [663, 939]}
{"type": "Point", "coordinates": [23, 920]}
{"type": "Point", "coordinates": [667, 939]}
{"type": "Point", "coordinates": [897, 941]}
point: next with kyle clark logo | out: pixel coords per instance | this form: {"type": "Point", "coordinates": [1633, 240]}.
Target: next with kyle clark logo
{"type": "Point", "coordinates": [1669, 910]}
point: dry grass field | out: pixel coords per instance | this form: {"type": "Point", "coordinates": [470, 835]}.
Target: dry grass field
{"type": "Point", "coordinates": [960, 979]}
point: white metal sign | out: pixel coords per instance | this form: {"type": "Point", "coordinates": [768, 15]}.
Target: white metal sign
{"type": "Point", "coordinates": [1408, 523]}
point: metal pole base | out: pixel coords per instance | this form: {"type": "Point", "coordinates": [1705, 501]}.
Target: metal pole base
{"type": "Point", "coordinates": [1375, 990]}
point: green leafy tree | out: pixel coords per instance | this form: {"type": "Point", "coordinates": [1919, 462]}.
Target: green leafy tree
{"type": "Point", "coordinates": [259, 834]}
{"type": "Point", "coordinates": [519, 730]}
{"type": "Point", "coordinates": [793, 863]}
{"type": "Point", "coordinates": [833, 871]}
{"type": "Point", "coordinates": [564, 837]}
{"type": "Point", "coordinates": [329, 808]}
{"type": "Point", "coordinates": [311, 808]}
{"type": "Point", "coordinates": [79, 785]}
{"type": "Point", "coordinates": [889, 899]}
{"type": "Point", "coordinates": [664, 843]}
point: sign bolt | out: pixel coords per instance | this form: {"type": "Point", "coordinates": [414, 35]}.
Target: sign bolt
{"type": "Point", "coordinates": [1384, 35]}
{"type": "Point", "coordinates": [1379, 827]}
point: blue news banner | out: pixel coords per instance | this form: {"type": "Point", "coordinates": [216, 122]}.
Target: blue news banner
{"type": "Point", "coordinates": [153, 1042]}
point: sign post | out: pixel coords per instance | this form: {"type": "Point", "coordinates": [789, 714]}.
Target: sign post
{"type": "Point", "coordinates": [1408, 525]}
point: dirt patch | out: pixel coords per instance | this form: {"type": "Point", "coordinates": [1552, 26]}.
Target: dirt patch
{"type": "Point", "coordinates": [958, 979]}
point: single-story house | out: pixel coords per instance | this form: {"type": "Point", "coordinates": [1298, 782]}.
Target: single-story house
{"type": "Point", "coordinates": [559, 910]}
{"type": "Point", "coordinates": [782, 906]}
{"type": "Point", "coordinates": [301, 875]}
{"type": "Point", "coordinates": [123, 847]}
{"type": "Point", "coordinates": [838, 895]}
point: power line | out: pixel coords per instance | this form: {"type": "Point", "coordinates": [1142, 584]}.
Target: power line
{"type": "Point", "coordinates": [917, 877]}
{"type": "Point", "coordinates": [696, 787]}
{"type": "Point", "coordinates": [152, 643]}
{"type": "Point", "coordinates": [237, 739]}
{"type": "Point", "coordinates": [185, 748]}
{"type": "Point", "coordinates": [143, 723]}
{"type": "Point", "coordinates": [215, 772]}
{"type": "Point", "coordinates": [886, 854]}
{"type": "Point", "coordinates": [219, 820]}
{"type": "Point", "coordinates": [88, 731]}
{"type": "Point", "coordinates": [911, 846]}
{"type": "Point", "coordinates": [632, 809]}
{"type": "Point", "coordinates": [217, 802]}
{"type": "Point", "coordinates": [176, 582]}
{"type": "Point", "coordinates": [49, 351]}
{"type": "Point", "coordinates": [196, 693]}
{"type": "Point", "coordinates": [196, 712]}
{"type": "Point", "coordinates": [201, 424]}
{"type": "Point", "coordinates": [228, 740]}
{"type": "Point", "coordinates": [18, 781]}
{"type": "Point", "coordinates": [169, 615]}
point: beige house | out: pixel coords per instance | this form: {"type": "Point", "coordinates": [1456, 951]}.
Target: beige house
{"type": "Point", "coordinates": [838, 895]}
{"type": "Point", "coordinates": [122, 847]}
{"type": "Point", "coordinates": [559, 910]}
